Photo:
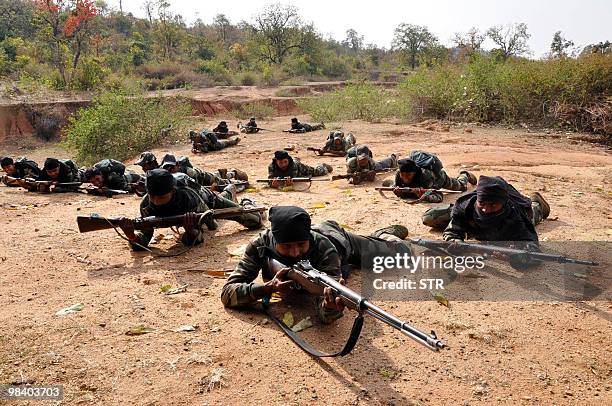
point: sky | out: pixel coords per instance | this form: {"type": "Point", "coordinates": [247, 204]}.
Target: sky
{"type": "Point", "coordinates": [582, 21]}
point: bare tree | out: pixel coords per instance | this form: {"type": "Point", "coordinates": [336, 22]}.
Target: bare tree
{"type": "Point", "coordinates": [148, 8]}
{"type": "Point", "coordinates": [412, 39]}
{"type": "Point", "coordinates": [278, 30]}
{"type": "Point", "coordinates": [471, 40]}
{"type": "Point", "coordinates": [353, 40]}
{"type": "Point", "coordinates": [511, 39]}
{"type": "Point", "coordinates": [559, 46]}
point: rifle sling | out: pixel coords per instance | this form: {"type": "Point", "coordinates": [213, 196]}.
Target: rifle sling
{"type": "Point", "coordinates": [307, 347]}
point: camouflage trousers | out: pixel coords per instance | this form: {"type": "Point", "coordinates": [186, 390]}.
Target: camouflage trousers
{"type": "Point", "coordinates": [252, 221]}
{"type": "Point", "coordinates": [319, 170]}
{"type": "Point", "coordinates": [220, 144]}
{"type": "Point", "coordinates": [388, 163]}
{"type": "Point", "coordinates": [439, 217]}
{"type": "Point", "coordinates": [458, 183]}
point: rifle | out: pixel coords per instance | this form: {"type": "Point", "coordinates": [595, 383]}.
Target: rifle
{"type": "Point", "coordinates": [359, 176]}
{"type": "Point", "coordinates": [295, 180]}
{"type": "Point", "coordinates": [96, 222]}
{"type": "Point", "coordinates": [102, 191]}
{"type": "Point", "coordinates": [300, 131]}
{"type": "Point", "coordinates": [248, 127]}
{"type": "Point", "coordinates": [492, 249]}
{"type": "Point", "coordinates": [320, 151]}
{"type": "Point", "coordinates": [315, 281]}
{"type": "Point", "coordinates": [43, 186]}
{"type": "Point", "coordinates": [419, 191]}
{"type": "Point", "coordinates": [10, 180]}
{"type": "Point", "coordinates": [219, 188]}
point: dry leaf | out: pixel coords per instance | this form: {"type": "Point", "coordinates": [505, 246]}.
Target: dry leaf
{"type": "Point", "coordinates": [302, 325]}
{"type": "Point", "coordinates": [318, 205]}
{"type": "Point", "coordinates": [288, 319]}
{"type": "Point", "coordinates": [139, 330]}
{"type": "Point", "coordinates": [440, 298]}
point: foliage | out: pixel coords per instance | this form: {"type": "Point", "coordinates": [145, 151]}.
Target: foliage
{"type": "Point", "coordinates": [511, 40]}
{"type": "Point", "coordinates": [122, 126]}
{"type": "Point", "coordinates": [355, 101]}
{"type": "Point", "coordinates": [412, 40]}
{"type": "Point", "coordinates": [486, 90]}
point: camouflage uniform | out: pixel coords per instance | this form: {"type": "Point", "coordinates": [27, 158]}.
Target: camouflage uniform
{"type": "Point", "coordinates": [250, 127]}
{"type": "Point", "coordinates": [345, 144]}
{"type": "Point", "coordinates": [331, 248]}
{"type": "Point", "coordinates": [431, 180]}
{"type": "Point", "coordinates": [208, 141]}
{"type": "Point", "coordinates": [24, 168]}
{"type": "Point", "coordinates": [190, 198]}
{"type": "Point", "coordinates": [304, 127]}
{"type": "Point", "coordinates": [353, 167]}
{"type": "Point", "coordinates": [296, 169]}
{"type": "Point", "coordinates": [115, 175]}
{"type": "Point", "coordinates": [68, 173]}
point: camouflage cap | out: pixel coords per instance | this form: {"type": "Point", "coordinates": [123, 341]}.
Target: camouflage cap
{"type": "Point", "coordinates": [362, 152]}
{"type": "Point", "coordinates": [145, 158]}
{"type": "Point", "coordinates": [168, 160]}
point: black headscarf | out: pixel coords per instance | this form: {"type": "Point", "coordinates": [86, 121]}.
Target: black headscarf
{"type": "Point", "coordinates": [159, 182]}
{"type": "Point", "coordinates": [289, 224]}
{"type": "Point", "coordinates": [492, 188]}
{"type": "Point", "coordinates": [51, 163]}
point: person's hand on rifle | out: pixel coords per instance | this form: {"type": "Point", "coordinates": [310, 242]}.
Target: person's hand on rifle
{"type": "Point", "coordinates": [191, 221]}
{"type": "Point", "coordinates": [330, 301]}
{"type": "Point", "coordinates": [278, 283]}
{"type": "Point", "coordinates": [397, 191]}
{"type": "Point", "coordinates": [127, 225]}
{"type": "Point", "coordinates": [275, 183]}
{"type": "Point", "coordinates": [288, 181]}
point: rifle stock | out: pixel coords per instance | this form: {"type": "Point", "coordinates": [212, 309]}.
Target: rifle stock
{"type": "Point", "coordinates": [315, 281]}
{"type": "Point", "coordinates": [96, 223]}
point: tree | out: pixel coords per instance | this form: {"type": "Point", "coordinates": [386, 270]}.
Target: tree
{"type": "Point", "coordinates": [222, 23]}
{"type": "Point", "coordinates": [68, 24]}
{"type": "Point", "coordinates": [353, 40]}
{"type": "Point", "coordinates": [412, 40]}
{"type": "Point", "coordinates": [16, 19]}
{"type": "Point", "coordinates": [169, 30]}
{"type": "Point", "coordinates": [148, 8]}
{"type": "Point", "coordinates": [511, 39]}
{"type": "Point", "coordinates": [471, 41]}
{"type": "Point", "coordinates": [600, 48]}
{"type": "Point", "coordinates": [559, 46]}
{"type": "Point", "coordinates": [278, 30]}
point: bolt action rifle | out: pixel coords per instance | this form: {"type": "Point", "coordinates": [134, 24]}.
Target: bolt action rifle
{"type": "Point", "coordinates": [250, 128]}
{"type": "Point", "coordinates": [451, 247]}
{"type": "Point", "coordinates": [358, 177]}
{"type": "Point", "coordinates": [42, 186]}
{"type": "Point", "coordinates": [96, 222]}
{"type": "Point", "coordinates": [314, 282]}
{"type": "Point", "coordinates": [420, 192]}
{"type": "Point", "coordinates": [320, 151]}
{"type": "Point", "coordinates": [284, 180]}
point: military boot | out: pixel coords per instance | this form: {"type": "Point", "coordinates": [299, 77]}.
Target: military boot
{"type": "Point", "coordinates": [537, 197]}
{"type": "Point", "coordinates": [471, 178]}
{"type": "Point", "coordinates": [397, 230]}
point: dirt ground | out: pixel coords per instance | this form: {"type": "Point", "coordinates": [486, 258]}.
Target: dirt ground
{"type": "Point", "coordinates": [508, 352]}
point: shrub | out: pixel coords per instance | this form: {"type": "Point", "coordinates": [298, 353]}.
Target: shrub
{"type": "Point", "coordinates": [90, 75]}
{"type": "Point", "coordinates": [121, 126]}
{"type": "Point", "coordinates": [356, 101]}
{"type": "Point", "coordinates": [248, 79]}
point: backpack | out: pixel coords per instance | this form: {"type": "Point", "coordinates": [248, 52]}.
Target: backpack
{"type": "Point", "coordinates": [184, 163]}
{"type": "Point", "coordinates": [28, 164]}
{"type": "Point", "coordinates": [108, 166]}
{"type": "Point", "coordinates": [184, 181]}
{"type": "Point", "coordinates": [426, 160]}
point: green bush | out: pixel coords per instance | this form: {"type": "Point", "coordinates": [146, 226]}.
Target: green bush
{"type": "Point", "coordinates": [558, 91]}
{"type": "Point", "coordinates": [90, 74]}
{"type": "Point", "coordinates": [121, 126]}
{"type": "Point", "coordinates": [360, 100]}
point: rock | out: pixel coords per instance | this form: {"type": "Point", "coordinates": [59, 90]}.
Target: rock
{"type": "Point", "coordinates": [468, 130]}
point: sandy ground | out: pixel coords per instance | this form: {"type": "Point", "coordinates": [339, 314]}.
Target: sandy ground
{"type": "Point", "coordinates": [510, 352]}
